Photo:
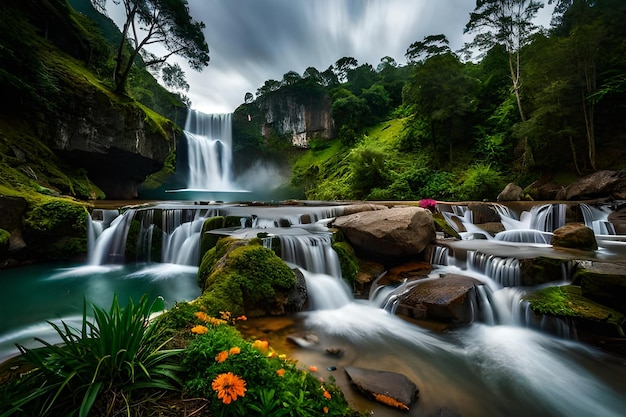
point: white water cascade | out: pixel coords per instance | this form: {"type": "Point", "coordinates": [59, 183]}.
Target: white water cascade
{"type": "Point", "coordinates": [209, 151]}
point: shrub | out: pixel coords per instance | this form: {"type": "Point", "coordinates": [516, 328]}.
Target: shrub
{"type": "Point", "coordinates": [98, 366]}
{"type": "Point", "coordinates": [248, 378]}
{"type": "Point", "coordinates": [480, 182]}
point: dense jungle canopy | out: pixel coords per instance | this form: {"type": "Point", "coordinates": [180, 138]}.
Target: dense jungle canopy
{"type": "Point", "coordinates": [519, 104]}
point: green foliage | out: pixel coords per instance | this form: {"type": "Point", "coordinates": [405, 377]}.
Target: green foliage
{"type": "Point", "coordinates": [480, 182]}
{"type": "Point", "coordinates": [369, 169]}
{"type": "Point", "coordinates": [274, 386]}
{"type": "Point", "coordinates": [98, 367]}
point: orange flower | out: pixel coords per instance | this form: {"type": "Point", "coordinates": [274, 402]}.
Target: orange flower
{"type": "Point", "coordinates": [234, 350]}
{"type": "Point", "coordinates": [242, 318]}
{"type": "Point", "coordinates": [385, 399]}
{"type": "Point", "coordinates": [199, 329]}
{"type": "Point", "coordinates": [221, 357]}
{"type": "Point", "coordinates": [229, 387]}
{"type": "Point", "coordinates": [313, 368]}
{"type": "Point", "coordinates": [325, 410]}
{"type": "Point", "coordinates": [202, 315]}
{"type": "Point", "coordinates": [261, 345]}
{"type": "Point", "coordinates": [214, 321]}
{"type": "Point", "coordinates": [280, 372]}
{"type": "Point", "coordinates": [327, 394]}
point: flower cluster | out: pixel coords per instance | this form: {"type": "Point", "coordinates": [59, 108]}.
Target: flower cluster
{"type": "Point", "coordinates": [428, 203]}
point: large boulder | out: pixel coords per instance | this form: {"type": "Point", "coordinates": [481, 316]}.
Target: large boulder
{"type": "Point", "coordinates": [399, 232]}
{"type": "Point", "coordinates": [600, 184]}
{"type": "Point", "coordinates": [389, 388]}
{"type": "Point", "coordinates": [574, 236]}
{"type": "Point", "coordinates": [604, 282]}
{"type": "Point", "coordinates": [512, 192]}
{"type": "Point", "coordinates": [449, 299]}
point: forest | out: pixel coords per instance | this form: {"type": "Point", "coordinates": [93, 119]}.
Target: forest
{"type": "Point", "coordinates": [519, 104]}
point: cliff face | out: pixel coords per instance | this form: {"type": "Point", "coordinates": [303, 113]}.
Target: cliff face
{"type": "Point", "coordinates": [301, 121]}
{"type": "Point", "coordinates": [117, 143]}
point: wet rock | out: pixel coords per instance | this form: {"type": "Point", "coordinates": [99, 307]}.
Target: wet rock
{"type": "Point", "coordinates": [541, 270]}
{"type": "Point", "coordinates": [393, 233]}
{"type": "Point", "coordinates": [389, 388]}
{"type": "Point", "coordinates": [604, 283]}
{"type": "Point", "coordinates": [511, 192]}
{"type": "Point", "coordinates": [367, 274]}
{"type": "Point", "coordinates": [409, 271]}
{"type": "Point", "coordinates": [304, 340]}
{"type": "Point", "coordinates": [574, 236]}
{"type": "Point", "coordinates": [357, 208]}
{"type": "Point", "coordinates": [600, 184]}
{"type": "Point", "coordinates": [448, 299]}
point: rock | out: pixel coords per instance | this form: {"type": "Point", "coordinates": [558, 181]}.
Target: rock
{"type": "Point", "coordinates": [600, 184]}
{"type": "Point", "coordinates": [604, 283]}
{"type": "Point", "coordinates": [304, 340]}
{"type": "Point", "coordinates": [368, 272]}
{"type": "Point", "coordinates": [357, 208]}
{"type": "Point", "coordinates": [511, 192]}
{"type": "Point", "coordinates": [448, 299]}
{"type": "Point", "coordinates": [574, 236]}
{"type": "Point", "coordinates": [389, 388]}
{"type": "Point", "coordinates": [618, 219]}
{"type": "Point", "coordinates": [483, 213]}
{"type": "Point", "coordinates": [13, 209]}
{"type": "Point", "coordinates": [409, 271]}
{"type": "Point", "coordinates": [541, 270]}
{"type": "Point", "coordinates": [393, 233]}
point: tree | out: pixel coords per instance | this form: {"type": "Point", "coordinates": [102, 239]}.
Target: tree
{"type": "Point", "coordinates": [507, 23]}
{"type": "Point", "coordinates": [248, 98]}
{"type": "Point", "coordinates": [343, 65]}
{"type": "Point", "coordinates": [431, 45]}
{"type": "Point", "coordinates": [291, 78]}
{"type": "Point", "coordinates": [149, 22]}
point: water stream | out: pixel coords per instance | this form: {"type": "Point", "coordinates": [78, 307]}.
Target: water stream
{"type": "Point", "coordinates": [504, 364]}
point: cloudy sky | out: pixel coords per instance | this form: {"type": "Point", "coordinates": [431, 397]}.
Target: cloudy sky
{"type": "Point", "coordinates": [252, 41]}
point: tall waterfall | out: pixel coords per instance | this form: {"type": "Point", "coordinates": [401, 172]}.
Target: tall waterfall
{"type": "Point", "coordinates": [209, 151]}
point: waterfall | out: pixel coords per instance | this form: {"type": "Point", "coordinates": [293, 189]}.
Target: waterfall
{"type": "Point", "coordinates": [504, 271]}
{"type": "Point", "coordinates": [597, 220]}
{"type": "Point", "coordinates": [209, 151]}
{"type": "Point", "coordinates": [110, 245]}
{"type": "Point", "coordinates": [312, 252]}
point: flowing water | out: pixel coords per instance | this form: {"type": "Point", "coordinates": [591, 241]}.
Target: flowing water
{"type": "Point", "coordinates": [506, 363]}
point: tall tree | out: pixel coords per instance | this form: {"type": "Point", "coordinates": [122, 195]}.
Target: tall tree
{"type": "Point", "coordinates": [507, 23]}
{"type": "Point", "coordinates": [149, 22]}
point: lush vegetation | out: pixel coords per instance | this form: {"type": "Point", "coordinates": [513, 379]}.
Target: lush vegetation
{"type": "Point", "coordinates": [518, 104]}
{"type": "Point", "coordinates": [121, 361]}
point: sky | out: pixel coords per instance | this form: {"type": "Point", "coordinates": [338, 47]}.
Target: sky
{"type": "Point", "coordinates": [251, 41]}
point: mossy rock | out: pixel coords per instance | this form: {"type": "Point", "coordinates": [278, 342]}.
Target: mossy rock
{"type": "Point", "coordinates": [348, 261]}
{"type": "Point", "coordinates": [56, 225]}
{"type": "Point", "coordinates": [244, 278]}
{"type": "Point", "coordinates": [4, 243]}
{"type": "Point", "coordinates": [569, 303]}
{"type": "Point", "coordinates": [208, 240]}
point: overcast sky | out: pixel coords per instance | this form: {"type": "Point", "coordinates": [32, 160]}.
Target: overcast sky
{"type": "Point", "coordinates": [251, 41]}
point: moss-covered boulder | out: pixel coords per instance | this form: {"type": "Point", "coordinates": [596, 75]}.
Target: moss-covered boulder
{"type": "Point", "coordinates": [208, 240]}
{"type": "Point", "coordinates": [348, 261]}
{"type": "Point", "coordinates": [56, 229]}
{"type": "Point", "coordinates": [243, 277]}
{"type": "Point", "coordinates": [569, 303]}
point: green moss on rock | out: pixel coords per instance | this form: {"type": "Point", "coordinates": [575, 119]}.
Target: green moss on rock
{"type": "Point", "coordinates": [348, 261]}
{"type": "Point", "coordinates": [568, 302]}
{"type": "Point", "coordinates": [208, 240]}
{"type": "Point", "coordinates": [243, 278]}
